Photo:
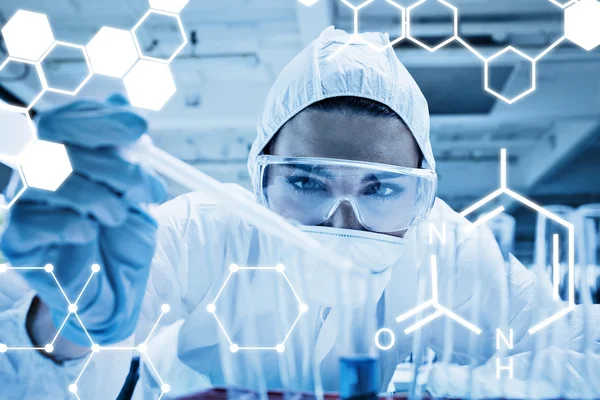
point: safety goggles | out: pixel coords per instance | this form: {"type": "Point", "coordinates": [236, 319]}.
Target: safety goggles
{"type": "Point", "coordinates": [384, 198]}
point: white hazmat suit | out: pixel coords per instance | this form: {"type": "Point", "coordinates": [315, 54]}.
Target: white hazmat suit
{"type": "Point", "coordinates": [197, 241]}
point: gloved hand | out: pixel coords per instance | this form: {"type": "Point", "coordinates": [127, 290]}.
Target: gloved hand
{"type": "Point", "coordinates": [96, 216]}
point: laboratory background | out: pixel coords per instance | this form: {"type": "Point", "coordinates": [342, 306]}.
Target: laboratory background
{"type": "Point", "coordinates": [538, 116]}
{"type": "Point", "coordinates": [235, 51]}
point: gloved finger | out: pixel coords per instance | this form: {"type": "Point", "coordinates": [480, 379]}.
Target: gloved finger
{"type": "Point", "coordinates": [72, 268]}
{"type": "Point", "coordinates": [91, 124]}
{"type": "Point", "coordinates": [132, 243]}
{"type": "Point", "coordinates": [35, 231]}
{"type": "Point", "coordinates": [85, 197]}
{"type": "Point", "coordinates": [127, 253]}
{"type": "Point", "coordinates": [106, 166]}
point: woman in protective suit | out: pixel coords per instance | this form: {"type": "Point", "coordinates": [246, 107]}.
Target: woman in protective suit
{"type": "Point", "coordinates": [342, 149]}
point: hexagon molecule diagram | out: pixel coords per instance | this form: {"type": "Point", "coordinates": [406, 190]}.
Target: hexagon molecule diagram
{"type": "Point", "coordinates": [150, 84]}
{"type": "Point", "coordinates": [79, 78]}
{"type": "Point", "coordinates": [28, 35]}
{"type": "Point", "coordinates": [214, 307]}
{"type": "Point", "coordinates": [38, 82]}
{"type": "Point", "coordinates": [112, 52]}
{"type": "Point", "coordinates": [582, 23]}
{"type": "Point", "coordinates": [497, 58]}
{"type": "Point", "coordinates": [143, 27]}
{"type": "Point", "coordinates": [443, 5]}
{"type": "Point", "coordinates": [45, 165]}
{"type": "Point", "coordinates": [395, 12]}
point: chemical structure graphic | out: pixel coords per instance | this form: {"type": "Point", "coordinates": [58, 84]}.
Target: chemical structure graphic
{"type": "Point", "coordinates": [112, 52]}
{"type": "Point", "coordinates": [44, 165]}
{"type": "Point", "coordinates": [149, 82]}
{"type": "Point", "coordinates": [212, 307]}
{"type": "Point", "coordinates": [431, 303]}
{"type": "Point", "coordinates": [141, 349]}
{"type": "Point", "coordinates": [71, 306]}
{"type": "Point", "coordinates": [484, 218]}
{"type": "Point", "coordinates": [549, 215]}
{"type": "Point", "coordinates": [580, 27]}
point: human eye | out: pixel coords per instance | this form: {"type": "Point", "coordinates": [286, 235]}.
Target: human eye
{"type": "Point", "coordinates": [383, 190]}
{"type": "Point", "coordinates": [305, 184]}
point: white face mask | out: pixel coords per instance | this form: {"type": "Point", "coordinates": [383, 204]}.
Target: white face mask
{"type": "Point", "coordinates": [372, 253]}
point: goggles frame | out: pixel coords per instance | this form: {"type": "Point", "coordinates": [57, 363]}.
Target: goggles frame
{"type": "Point", "coordinates": [265, 160]}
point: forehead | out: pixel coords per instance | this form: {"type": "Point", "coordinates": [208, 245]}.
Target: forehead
{"type": "Point", "coordinates": [349, 136]}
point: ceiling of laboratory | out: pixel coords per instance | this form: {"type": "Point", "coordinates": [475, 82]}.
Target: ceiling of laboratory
{"type": "Point", "coordinates": [237, 48]}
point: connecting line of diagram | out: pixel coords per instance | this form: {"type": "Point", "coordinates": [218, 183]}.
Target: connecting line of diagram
{"type": "Point", "coordinates": [433, 302]}
{"type": "Point", "coordinates": [406, 34]}
{"type": "Point", "coordinates": [212, 308]}
{"type": "Point", "coordinates": [141, 348]}
{"type": "Point", "coordinates": [73, 312]}
{"type": "Point", "coordinates": [72, 306]}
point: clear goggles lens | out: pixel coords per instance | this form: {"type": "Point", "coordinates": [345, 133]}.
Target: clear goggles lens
{"type": "Point", "coordinates": [384, 198]}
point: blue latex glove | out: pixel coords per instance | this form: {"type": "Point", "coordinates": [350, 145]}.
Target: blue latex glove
{"type": "Point", "coordinates": [96, 216]}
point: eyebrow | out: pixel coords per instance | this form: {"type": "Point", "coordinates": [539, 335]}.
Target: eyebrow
{"type": "Point", "coordinates": [380, 176]}
{"type": "Point", "coordinates": [317, 170]}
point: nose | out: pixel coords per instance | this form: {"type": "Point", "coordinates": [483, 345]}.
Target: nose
{"type": "Point", "coordinates": [344, 217]}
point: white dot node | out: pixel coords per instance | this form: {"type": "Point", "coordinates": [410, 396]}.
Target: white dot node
{"type": "Point", "coordinates": [165, 308]}
{"type": "Point", "coordinates": [95, 347]}
{"type": "Point", "coordinates": [73, 388]}
{"type": "Point", "coordinates": [3, 348]}
{"type": "Point", "coordinates": [72, 308]}
{"type": "Point", "coordinates": [280, 348]}
{"type": "Point", "coordinates": [49, 348]}
{"type": "Point", "coordinates": [303, 308]}
{"type": "Point", "coordinates": [279, 268]}
{"type": "Point", "coordinates": [95, 268]}
{"type": "Point", "coordinates": [142, 348]}
{"type": "Point", "coordinates": [3, 268]}
{"type": "Point", "coordinates": [166, 388]}
{"type": "Point", "coordinates": [234, 348]}
{"type": "Point", "coordinates": [49, 268]}
{"type": "Point", "coordinates": [234, 268]}
{"type": "Point", "coordinates": [211, 308]}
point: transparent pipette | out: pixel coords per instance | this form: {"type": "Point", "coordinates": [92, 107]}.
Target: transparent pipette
{"type": "Point", "coordinates": [264, 219]}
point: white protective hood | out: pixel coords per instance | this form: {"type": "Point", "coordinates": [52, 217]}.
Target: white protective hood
{"type": "Point", "coordinates": [356, 71]}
